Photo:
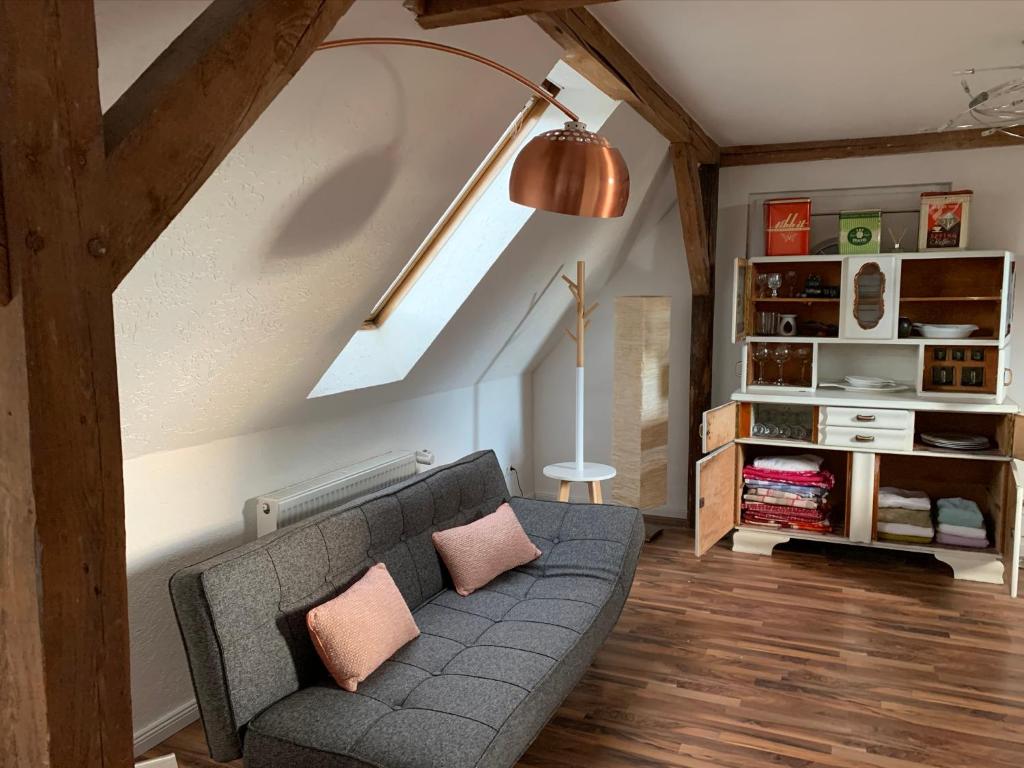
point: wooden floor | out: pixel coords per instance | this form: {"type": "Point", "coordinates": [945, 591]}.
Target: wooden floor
{"type": "Point", "coordinates": [817, 656]}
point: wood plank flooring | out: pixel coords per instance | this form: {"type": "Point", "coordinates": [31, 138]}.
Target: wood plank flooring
{"type": "Point", "coordinates": [818, 656]}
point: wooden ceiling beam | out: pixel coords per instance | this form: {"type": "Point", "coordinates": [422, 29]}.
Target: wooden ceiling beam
{"type": "Point", "coordinates": [595, 53]}
{"type": "Point", "coordinates": [434, 14]}
{"type": "Point", "coordinates": [685, 169]}
{"type": "Point", "coordinates": [5, 261]}
{"type": "Point", "coordinates": [177, 122]}
{"type": "Point", "coordinates": [64, 647]}
{"type": "Point", "coordinates": [805, 151]}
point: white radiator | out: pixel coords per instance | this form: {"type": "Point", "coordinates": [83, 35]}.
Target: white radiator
{"type": "Point", "coordinates": [297, 502]}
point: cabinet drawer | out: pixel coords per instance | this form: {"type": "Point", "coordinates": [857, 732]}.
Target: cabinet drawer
{"type": "Point", "coordinates": [867, 418]}
{"type": "Point", "coordinates": [867, 439]}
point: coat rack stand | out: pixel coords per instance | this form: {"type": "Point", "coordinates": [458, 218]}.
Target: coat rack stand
{"type": "Point", "coordinates": [579, 471]}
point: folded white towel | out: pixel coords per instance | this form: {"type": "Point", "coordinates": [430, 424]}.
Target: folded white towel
{"type": "Point", "coordinates": [805, 462]}
{"type": "Point", "coordinates": [962, 530]}
{"type": "Point", "coordinates": [903, 529]}
{"type": "Point", "coordinates": [898, 497]}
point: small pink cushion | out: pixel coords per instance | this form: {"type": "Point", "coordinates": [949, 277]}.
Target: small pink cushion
{"type": "Point", "coordinates": [361, 628]}
{"type": "Point", "coordinates": [476, 553]}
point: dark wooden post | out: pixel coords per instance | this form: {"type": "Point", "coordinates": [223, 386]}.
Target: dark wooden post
{"type": "Point", "coordinates": [697, 190]}
{"type": "Point", "coordinates": [64, 673]}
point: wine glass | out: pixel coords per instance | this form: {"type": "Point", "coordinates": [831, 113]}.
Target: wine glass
{"type": "Point", "coordinates": [774, 283]}
{"type": "Point", "coordinates": [803, 354]}
{"type": "Point", "coordinates": [761, 355]}
{"type": "Point", "coordinates": [780, 355]}
{"type": "Point", "coordinates": [762, 285]}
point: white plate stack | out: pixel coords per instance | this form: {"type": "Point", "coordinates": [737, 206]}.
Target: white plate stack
{"type": "Point", "coordinates": [955, 441]}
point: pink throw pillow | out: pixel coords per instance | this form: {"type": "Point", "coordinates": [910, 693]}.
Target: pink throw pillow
{"type": "Point", "coordinates": [476, 553]}
{"type": "Point", "coordinates": [361, 628]}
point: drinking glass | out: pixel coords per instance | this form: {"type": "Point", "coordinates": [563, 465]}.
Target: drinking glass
{"type": "Point", "coordinates": [762, 285]}
{"type": "Point", "coordinates": [780, 355]}
{"type": "Point", "coordinates": [767, 323]}
{"type": "Point", "coordinates": [761, 355]}
{"type": "Point", "coordinates": [774, 283]}
{"type": "Point", "coordinates": [803, 354]}
{"type": "Point", "coordinates": [790, 284]}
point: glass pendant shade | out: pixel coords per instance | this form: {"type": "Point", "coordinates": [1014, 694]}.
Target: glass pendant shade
{"type": "Point", "coordinates": [573, 171]}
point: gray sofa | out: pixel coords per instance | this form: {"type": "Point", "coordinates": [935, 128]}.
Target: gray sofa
{"type": "Point", "coordinates": [474, 689]}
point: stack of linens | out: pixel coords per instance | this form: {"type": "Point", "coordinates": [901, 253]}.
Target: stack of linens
{"type": "Point", "coordinates": [904, 516]}
{"type": "Point", "coordinates": [787, 492]}
{"type": "Point", "coordinates": [961, 524]}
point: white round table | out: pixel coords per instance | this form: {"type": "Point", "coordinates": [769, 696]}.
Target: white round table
{"type": "Point", "coordinates": [566, 473]}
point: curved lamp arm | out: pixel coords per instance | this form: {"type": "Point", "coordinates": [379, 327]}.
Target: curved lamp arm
{"type": "Point", "coordinates": [458, 52]}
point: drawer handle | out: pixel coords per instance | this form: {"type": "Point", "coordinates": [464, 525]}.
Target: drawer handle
{"type": "Point", "coordinates": [864, 438]}
{"type": "Point", "coordinates": [864, 417]}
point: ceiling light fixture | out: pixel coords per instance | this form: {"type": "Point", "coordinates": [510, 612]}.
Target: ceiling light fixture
{"type": "Point", "coordinates": [998, 109]}
{"type": "Point", "coordinates": [569, 170]}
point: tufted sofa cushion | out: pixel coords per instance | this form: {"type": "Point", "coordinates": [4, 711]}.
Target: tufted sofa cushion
{"type": "Point", "coordinates": [487, 671]}
{"type": "Point", "coordinates": [474, 689]}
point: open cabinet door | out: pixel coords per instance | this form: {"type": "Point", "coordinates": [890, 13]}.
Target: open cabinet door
{"type": "Point", "coordinates": [719, 426]}
{"type": "Point", "coordinates": [716, 483]}
{"type": "Point", "coordinates": [1017, 447]}
{"type": "Point", "coordinates": [742, 278]}
{"type": "Point", "coordinates": [1011, 549]}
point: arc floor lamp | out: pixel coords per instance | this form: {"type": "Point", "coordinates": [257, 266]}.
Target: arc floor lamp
{"type": "Point", "coordinates": [568, 170]}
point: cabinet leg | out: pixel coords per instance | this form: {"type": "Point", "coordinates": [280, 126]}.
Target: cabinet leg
{"type": "Point", "coordinates": [563, 490]}
{"type": "Point", "coordinates": [757, 542]}
{"type": "Point", "coordinates": [973, 566]}
{"type": "Point", "coordinates": [595, 492]}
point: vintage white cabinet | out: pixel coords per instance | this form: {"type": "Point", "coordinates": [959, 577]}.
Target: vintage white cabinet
{"type": "Point", "coordinates": [870, 439]}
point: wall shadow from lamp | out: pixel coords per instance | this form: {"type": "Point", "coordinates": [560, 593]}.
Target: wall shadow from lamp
{"type": "Point", "coordinates": [340, 206]}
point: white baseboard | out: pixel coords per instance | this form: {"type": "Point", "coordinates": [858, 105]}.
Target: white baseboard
{"type": "Point", "coordinates": [168, 725]}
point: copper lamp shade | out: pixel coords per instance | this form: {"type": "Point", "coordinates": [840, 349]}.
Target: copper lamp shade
{"type": "Point", "coordinates": [570, 170]}
{"type": "Point", "coordinates": [573, 171]}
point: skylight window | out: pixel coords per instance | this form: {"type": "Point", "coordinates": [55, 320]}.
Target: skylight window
{"type": "Point", "coordinates": [459, 250]}
{"type": "Point", "coordinates": [506, 148]}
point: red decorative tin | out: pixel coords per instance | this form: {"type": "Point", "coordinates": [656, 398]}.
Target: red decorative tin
{"type": "Point", "coordinates": [787, 226]}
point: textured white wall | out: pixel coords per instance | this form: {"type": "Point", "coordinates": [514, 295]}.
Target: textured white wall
{"type": "Point", "coordinates": [188, 504]}
{"type": "Point", "coordinates": [240, 306]}
{"type": "Point", "coordinates": [996, 220]}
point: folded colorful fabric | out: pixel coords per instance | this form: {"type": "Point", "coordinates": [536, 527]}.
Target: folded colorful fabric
{"type": "Point", "coordinates": [962, 530]}
{"type": "Point", "coordinates": [805, 462]}
{"type": "Point", "coordinates": [778, 512]}
{"type": "Point", "coordinates": [957, 511]}
{"type": "Point", "coordinates": [822, 479]}
{"type": "Point", "coordinates": [961, 541]}
{"type": "Point", "coordinates": [817, 526]}
{"type": "Point", "coordinates": [902, 529]}
{"type": "Point", "coordinates": [799, 491]}
{"type": "Point", "coordinates": [898, 497]}
{"type": "Point", "coordinates": [781, 500]}
{"type": "Point", "coordinates": [904, 539]}
{"type": "Point", "coordinates": [909, 516]}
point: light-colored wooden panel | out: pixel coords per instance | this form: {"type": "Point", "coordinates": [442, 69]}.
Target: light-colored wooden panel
{"type": "Point", "coordinates": [640, 420]}
{"type": "Point", "coordinates": [716, 491]}
{"type": "Point", "coordinates": [720, 425]}
{"type": "Point", "coordinates": [1018, 437]}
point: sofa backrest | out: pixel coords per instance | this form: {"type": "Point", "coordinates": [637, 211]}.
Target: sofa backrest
{"type": "Point", "coordinates": [242, 613]}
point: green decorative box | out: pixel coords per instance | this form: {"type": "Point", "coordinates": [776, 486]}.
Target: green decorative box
{"type": "Point", "coordinates": [860, 232]}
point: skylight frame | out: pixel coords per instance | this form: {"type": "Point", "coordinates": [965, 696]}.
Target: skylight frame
{"type": "Point", "coordinates": [492, 165]}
